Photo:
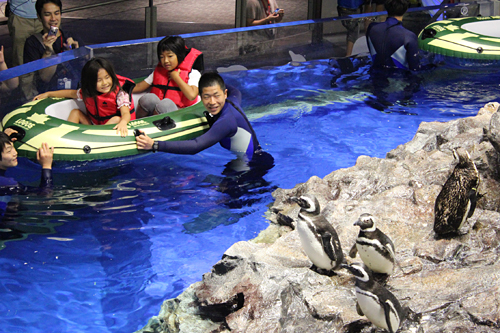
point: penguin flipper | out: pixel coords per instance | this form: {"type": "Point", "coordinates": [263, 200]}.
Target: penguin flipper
{"type": "Point", "coordinates": [473, 197]}
{"type": "Point", "coordinates": [353, 251]}
{"type": "Point", "coordinates": [358, 310]}
{"type": "Point", "coordinates": [387, 312]}
{"type": "Point", "coordinates": [327, 245]}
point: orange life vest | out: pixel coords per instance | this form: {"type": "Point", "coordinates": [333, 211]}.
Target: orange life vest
{"type": "Point", "coordinates": [163, 87]}
{"type": "Point", "coordinates": [103, 107]}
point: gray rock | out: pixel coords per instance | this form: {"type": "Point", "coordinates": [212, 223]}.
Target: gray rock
{"type": "Point", "coordinates": [446, 285]}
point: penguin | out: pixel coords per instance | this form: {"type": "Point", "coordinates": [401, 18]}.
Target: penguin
{"type": "Point", "coordinates": [318, 237]}
{"type": "Point", "coordinates": [374, 301]}
{"type": "Point", "coordinates": [374, 247]}
{"type": "Point", "coordinates": [457, 200]}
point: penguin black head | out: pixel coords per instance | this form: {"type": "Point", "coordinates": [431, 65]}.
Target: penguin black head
{"type": "Point", "coordinates": [463, 157]}
{"type": "Point", "coordinates": [308, 203]}
{"type": "Point", "coordinates": [366, 222]}
{"type": "Point", "coordinates": [360, 271]}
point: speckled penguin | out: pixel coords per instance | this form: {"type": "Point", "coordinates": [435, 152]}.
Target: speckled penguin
{"type": "Point", "coordinates": [374, 247]}
{"type": "Point", "coordinates": [457, 200]}
{"type": "Point", "coordinates": [318, 237]}
{"type": "Point", "coordinates": [377, 303]}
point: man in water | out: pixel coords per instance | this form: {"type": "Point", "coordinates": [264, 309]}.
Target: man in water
{"type": "Point", "coordinates": [390, 44]}
{"type": "Point", "coordinates": [228, 124]}
{"type": "Point", "coordinates": [8, 159]}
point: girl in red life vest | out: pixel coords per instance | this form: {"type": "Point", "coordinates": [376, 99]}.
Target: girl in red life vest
{"type": "Point", "coordinates": [105, 94]}
{"type": "Point", "coordinates": [174, 82]}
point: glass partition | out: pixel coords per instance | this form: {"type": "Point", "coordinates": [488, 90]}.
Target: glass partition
{"type": "Point", "coordinates": [223, 50]}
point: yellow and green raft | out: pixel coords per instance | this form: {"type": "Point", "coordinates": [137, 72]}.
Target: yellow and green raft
{"type": "Point", "coordinates": [467, 41]}
{"type": "Point", "coordinates": [44, 121]}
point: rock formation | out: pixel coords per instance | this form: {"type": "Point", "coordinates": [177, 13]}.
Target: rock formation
{"type": "Point", "coordinates": [448, 284]}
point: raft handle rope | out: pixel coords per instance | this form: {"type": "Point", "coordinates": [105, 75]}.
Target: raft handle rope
{"type": "Point", "coordinates": [86, 149]}
{"type": "Point", "coordinates": [430, 33]}
{"type": "Point", "coordinates": [19, 136]}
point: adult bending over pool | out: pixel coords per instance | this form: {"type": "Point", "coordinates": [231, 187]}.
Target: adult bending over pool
{"type": "Point", "coordinates": [228, 124]}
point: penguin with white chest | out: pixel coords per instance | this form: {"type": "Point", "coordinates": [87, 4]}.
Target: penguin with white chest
{"type": "Point", "coordinates": [377, 303]}
{"type": "Point", "coordinates": [318, 237]}
{"type": "Point", "coordinates": [457, 200]}
{"type": "Point", "coordinates": [374, 247]}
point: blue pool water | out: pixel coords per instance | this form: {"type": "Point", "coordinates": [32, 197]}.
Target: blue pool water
{"type": "Point", "coordinates": [118, 237]}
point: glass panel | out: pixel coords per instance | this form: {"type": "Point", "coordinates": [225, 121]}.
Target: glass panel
{"type": "Point", "coordinates": [223, 50]}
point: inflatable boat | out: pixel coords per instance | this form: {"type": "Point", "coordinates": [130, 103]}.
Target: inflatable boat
{"type": "Point", "coordinates": [464, 42]}
{"type": "Point", "coordinates": [46, 121]}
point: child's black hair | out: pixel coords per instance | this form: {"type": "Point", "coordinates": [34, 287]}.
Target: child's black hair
{"type": "Point", "coordinates": [396, 7]}
{"type": "Point", "coordinates": [40, 3]}
{"type": "Point", "coordinates": [89, 76]}
{"type": "Point", "coordinates": [210, 79]}
{"type": "Point", "coordinates": [4, 140]}
{"type": "Point", "coordinates": [175, 44]}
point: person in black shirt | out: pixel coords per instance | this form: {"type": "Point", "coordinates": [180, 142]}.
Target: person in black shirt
{"type": "Point", "coordinates": [390, 44]}
{"type": "Point", "coordinates": [50, 41]}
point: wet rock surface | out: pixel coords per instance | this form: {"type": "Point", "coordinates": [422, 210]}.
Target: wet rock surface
{"type": "Point", "coordinates": [446, 284]}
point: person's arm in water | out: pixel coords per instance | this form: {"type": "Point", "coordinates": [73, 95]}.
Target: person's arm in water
{"type": "Point", "coordinates": [65, 93]}
{"type": "Point", "coordinates": [45, 156]}
{"type": "Point", "coordinates": [191, 92]}
{"type": "Point", "coordinates": [9, 186]}
{"type": "Point", "coordinates": [413, 53]}
{"type": "Point", "coordinates": [218, 131]}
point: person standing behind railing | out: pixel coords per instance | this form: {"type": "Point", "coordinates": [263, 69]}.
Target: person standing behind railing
{"type": "Point", "coordinates": [46, 43]}
{"type": "Point", "coordinates": [23, 22]}
{"type": "Point", "coordinates": [261, 12]}
{"type": "Point", "coordinates": [9, 84]}
{"type": "Point", "coordinates": [346, 8]}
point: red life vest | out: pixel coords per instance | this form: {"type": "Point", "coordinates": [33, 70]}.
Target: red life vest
{"type": "Point", "coordinates": [103, 107]}
{"type": "Point", "coordinates": [163, 87]}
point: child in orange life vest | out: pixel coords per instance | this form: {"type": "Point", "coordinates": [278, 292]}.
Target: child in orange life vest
{"type": "Point", "coordinates": [174, 82]}
{"type": "Point", "coordinates": [105, 95]}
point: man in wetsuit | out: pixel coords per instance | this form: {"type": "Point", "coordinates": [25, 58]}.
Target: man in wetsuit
{"type": "Point", "coordinates": [8, 159]}
{"type": "Point", "coordinates": [228, 124]}
{"type": "Point", "coordinates": [391, 45]}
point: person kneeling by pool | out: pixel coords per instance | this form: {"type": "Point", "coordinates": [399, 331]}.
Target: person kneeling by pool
{"type": "Point", "coordinates": [228, 124]}
{"type": "Point", "coordinates": [8, 159]}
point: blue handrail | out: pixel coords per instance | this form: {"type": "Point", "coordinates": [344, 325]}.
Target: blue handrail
{"type": "Point", "coordinates": [85, 51]}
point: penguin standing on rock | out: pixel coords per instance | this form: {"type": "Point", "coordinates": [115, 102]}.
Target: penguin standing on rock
{"type": "Point", "coordinates": [374, 247]}
{"type": "Point", "coordinates": [318, 237]}
{"type": "Point", "coordinates": [377, 303]}
{"type": "Point", "coordinates": [457, 200]}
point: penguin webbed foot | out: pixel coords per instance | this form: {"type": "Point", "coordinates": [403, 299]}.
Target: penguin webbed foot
{"type": "Point", "coordinates": [448, 235]}
{"type": "Point", "coordinates": [322, 271]}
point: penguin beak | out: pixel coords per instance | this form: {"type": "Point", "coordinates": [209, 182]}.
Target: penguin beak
{"type": "Point", "coordinates": [346, 267]}
{"type": "Point", "coordinates": [358, 222]}
{"type": "Point", "coordinates": [298, 201]}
